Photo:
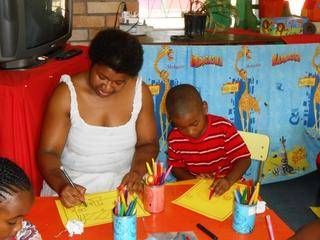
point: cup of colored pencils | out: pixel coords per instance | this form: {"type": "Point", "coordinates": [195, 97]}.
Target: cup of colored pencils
{"type": "Point", "coordinates": [244, 212]}
{"type": "Point", "coordinates": [125, 216]}
{"type": "Point", "coordinates": [153, 197]}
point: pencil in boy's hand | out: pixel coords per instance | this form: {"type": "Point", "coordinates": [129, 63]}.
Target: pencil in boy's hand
{"type": "Point", "coordinates": [212, 189]}
{"type": "Point", "coordinates": [71, 183]}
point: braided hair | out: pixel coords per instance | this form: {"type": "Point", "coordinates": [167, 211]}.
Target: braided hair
{"type": "Point", "coordinates": [12, 179]}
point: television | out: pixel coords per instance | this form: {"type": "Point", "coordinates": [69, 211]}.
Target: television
{"type": "Point", "coordinates": [32, 30]}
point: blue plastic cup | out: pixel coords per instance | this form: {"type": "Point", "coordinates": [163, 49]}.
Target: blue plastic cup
{"type": "Point", "coordinates": [125, 228]}
{"type": "Point", "coordinates": [244, 217]}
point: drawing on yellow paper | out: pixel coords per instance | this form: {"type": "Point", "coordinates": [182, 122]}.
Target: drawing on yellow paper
{"type": "Point", "coordinates": [98, 210]}
{"type": "Point", "coordinates": [197, 199]}
{"type": "Point", "coordinates": [316, 211]}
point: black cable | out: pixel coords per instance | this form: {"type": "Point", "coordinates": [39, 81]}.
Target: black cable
{"type": "Point", "coordinates": [133, 26]}
{"type": "Point", "coordinates": [118, 10]}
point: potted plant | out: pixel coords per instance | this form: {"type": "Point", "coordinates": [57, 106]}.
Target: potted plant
{"type": "Point", "coordinates": [196, 17]}
{"type": "Point", "coordinates": [215, 15]}
{"type": "Point", "coordinates": [220, 14]}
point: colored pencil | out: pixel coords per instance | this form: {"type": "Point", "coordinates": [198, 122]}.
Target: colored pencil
{"type": "Point", "coordinates": [270, 228]}
{"type": "Point", "coordinates": [212, 189]}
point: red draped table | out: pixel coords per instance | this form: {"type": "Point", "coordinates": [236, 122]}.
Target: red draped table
{"type": "Point", "coordinates": [23, 98]}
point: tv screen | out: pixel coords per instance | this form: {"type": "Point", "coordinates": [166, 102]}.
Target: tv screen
{"type": "Point", "coordinates": [32, 28]}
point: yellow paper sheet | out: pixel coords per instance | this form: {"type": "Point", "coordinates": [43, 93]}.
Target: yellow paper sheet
{"type": "Point", "coordinates": [316, 211]}
{"type": "Point", "coordinates": [98, 211]}
{"type": "Point", "coordinates": [197, 199]}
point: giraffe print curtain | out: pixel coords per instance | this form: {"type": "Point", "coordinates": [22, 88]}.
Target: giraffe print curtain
{"type": "Point", "coordinates": [268, 89]}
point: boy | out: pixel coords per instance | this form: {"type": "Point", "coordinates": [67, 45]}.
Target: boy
{"type": "Point", "coordinates": [202, 144]}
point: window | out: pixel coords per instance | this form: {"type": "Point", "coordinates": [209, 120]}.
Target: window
{"type": "Point", "coordinates": [163, 13]}
{"type": "Point", "coordinates": [296, 6]}
{"type": "Point", "coordinates": [168, 13]}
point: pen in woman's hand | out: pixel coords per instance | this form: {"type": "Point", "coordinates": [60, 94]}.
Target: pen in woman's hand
{"type": "Point", "coordinates": [71, 183]}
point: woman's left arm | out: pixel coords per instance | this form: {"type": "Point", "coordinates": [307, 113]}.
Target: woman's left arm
{"type": "Point", "coordinates": [147, 146]}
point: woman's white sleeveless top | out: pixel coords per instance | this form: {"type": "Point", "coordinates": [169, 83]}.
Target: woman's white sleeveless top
{"type": "Point", "coordinates": [98, 157]}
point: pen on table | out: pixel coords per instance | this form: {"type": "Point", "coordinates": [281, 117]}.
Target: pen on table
{"type": "Point", "coordinates": [214, 179]}
{"type": "Point", "coordinates": [270, 228]}
{"type": "Point", "coordinates": [206, 231]}
{"type": "Point", "coordinates": [71, 182]}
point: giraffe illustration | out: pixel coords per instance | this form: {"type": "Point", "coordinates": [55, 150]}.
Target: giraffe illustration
{"type": "Point", "coordinates": [165, 51]}
{"type": "Point", "coordinates": [246, 101]}
{"type": "Point", "coordinates": [316, 97]}
{"type": "Point", "coordinates": [284, 168]}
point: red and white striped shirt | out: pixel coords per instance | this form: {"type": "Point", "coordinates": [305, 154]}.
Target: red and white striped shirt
{"type": "Point", "coordinates": [219, 146]}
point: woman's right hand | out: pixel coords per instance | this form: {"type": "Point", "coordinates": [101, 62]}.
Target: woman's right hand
{"type": "Point", "coordinates": [70, 197]}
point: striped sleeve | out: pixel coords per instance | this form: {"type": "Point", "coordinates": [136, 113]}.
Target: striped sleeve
{"type": "Point", "coordinates": [174, 157]}
{"type": "Point", "coordinates": [235, 147]}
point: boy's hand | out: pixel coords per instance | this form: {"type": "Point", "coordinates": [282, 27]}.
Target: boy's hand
{"type": "Point", "coordinates": [133, 181]}
{"type": "Point", "coordinates": [204, 176]}
{"type": "Point", "coordinates": [220, 186]}
{"type": "Point", "coordinates": [70, 196]}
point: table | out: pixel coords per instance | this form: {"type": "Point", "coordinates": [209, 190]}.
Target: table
{"type": "Point", "coordinates": [45, 216]}
{"type": "Point", "coordinates": [23, 98]}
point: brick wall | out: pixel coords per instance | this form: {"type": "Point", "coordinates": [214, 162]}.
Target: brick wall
{"type": "Point", "coordinates": [91, 16]}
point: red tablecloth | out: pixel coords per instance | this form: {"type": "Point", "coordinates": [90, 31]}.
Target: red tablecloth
{"type": "Point", "coordinates": [23, 98]}
{"type": "Point", "coordinates": [44, 215]}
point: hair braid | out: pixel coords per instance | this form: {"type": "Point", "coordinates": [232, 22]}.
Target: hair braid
{"type": "Point", "coordinates": [12, 179]}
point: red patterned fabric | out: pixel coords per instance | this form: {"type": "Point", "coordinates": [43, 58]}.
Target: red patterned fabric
{"type": "Point", "coordinates": [220, 146]}
{"type": "Point", "coordinates": [23, 98]}
{"type": "Point", "coordinates": [28, 232]}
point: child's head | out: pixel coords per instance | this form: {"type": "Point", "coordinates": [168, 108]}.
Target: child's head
{"type": "Point", "coordinates": [186, 110]}
{"type": "Point", "coordinates": [16, 198]}
{"type": "Point", "coordinates": [117, 50]}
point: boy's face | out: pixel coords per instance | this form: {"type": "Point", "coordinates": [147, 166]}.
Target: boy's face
{"type": "Point", "coordinates": [194, 123]}
{"type": "Point", "coordinates": [12, 211]}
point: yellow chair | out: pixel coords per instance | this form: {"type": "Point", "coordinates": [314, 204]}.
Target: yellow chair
{"type": "Point", "coordinates": [258, 145]}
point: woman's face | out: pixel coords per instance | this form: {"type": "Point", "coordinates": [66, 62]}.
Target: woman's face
{"type": "Point", "coordinates": [12, 211]}
{"type": "Point", "coordinates": [105, 81]}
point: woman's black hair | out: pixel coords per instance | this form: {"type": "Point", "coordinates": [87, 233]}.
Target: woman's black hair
{"type": "Point", "coordinates": [12, 179]}
{"type": "Point", "coordinates": [117, 50]}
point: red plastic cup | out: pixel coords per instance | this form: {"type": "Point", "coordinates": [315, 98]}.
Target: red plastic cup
{"type": "Point", "coordinates": [153, 198]}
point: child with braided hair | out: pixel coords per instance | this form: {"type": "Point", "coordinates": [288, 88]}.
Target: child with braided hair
{"type": "Point", "coordinates": [16, 199]}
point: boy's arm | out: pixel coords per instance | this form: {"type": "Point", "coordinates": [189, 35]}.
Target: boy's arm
{"type": "Point", "coordinates": [238, 170]}
{"type": "Point", "coordinates": [223, 184]}
{"type": "Point", "coordinates": [181, 173]}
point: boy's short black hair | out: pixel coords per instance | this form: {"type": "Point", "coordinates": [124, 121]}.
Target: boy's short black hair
{"type": "Point", "coordinates": [12, 179]}
{"type": "Point", "coordinates": [117, 50]}
{"type": "Point", "coordinates": [182, 99]}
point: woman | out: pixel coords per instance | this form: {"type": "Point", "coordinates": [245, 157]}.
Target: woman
{"type": "Point", "coordinates": [99, 125]}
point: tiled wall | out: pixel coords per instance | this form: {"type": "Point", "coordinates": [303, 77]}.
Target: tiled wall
{"type": "Point", "coordinates": [91, 16]}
